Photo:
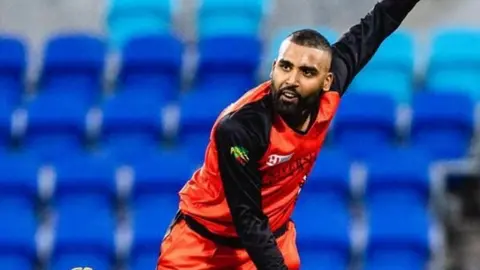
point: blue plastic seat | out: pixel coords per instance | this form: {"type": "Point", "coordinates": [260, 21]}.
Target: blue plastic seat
{"type": "Point", "coordinates": [447, 61]}
{"type": "Point", "coordinates": [330, 178]}
{"type": "Point", "coordinates": [398, 238]}
{"type": "Point", "coordinates": [196, 124]}
{"type": "Point", "coordinates": [215, 53]}
{"type": "Point", "coordinates": [18, 194]}
{"type": "Point", "coordinates": [85, 178]}
{"type": "Point", "coordinates": [17, 240]}
{"type": "Point", "coordinates": [325, 227]}
{"type": "Point", "coordinates": [18, 177]}
{"type": "Point", "coordinates": [127, 19]}
{"type": "Point", "coordinates": [152, 215]}
{"type": "Point", "coordinates": [152, 65]}
{"type": "Point", "coordinates": [322, 259]}
{"type": "Point", "coordinates": [443, 123]}
{"type": "Point", "coordinates": [13, 65]}
{"type": "Point", "coordinates": [55, 126]}
{"type": "Point", "coordinates": [367, 118]}
{"type": "Point", "coordinates": [161, 172]}
{"type": "Point", "coordinates": [391, 69]}
{"type": "Point", "coordinates": [73, 64]}
{"type": "Point", "coordinates": [132, 125]}
{"type": "Point", "coordinates": [399, 176]}
{"type": "Point", "coordinates": [217, 17]}
{"type": "Point", "coordinates": [85, 236]}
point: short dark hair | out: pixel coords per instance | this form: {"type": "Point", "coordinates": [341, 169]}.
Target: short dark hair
{"type": "Point", "coordinates": [310, 38]}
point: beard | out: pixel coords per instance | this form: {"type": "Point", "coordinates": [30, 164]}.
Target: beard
{"type": "Point", "coordinates": [294, 112]}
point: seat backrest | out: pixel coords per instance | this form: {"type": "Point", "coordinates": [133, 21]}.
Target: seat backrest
{"type": "Point", "coordinates": [366, 113]}
{"type": "Point", "coordinates": [398, 173]}
{"type": "Point", "coordinates": [437, 111]}
{"type": "Point", "coordinates": [215, 54]}
{"type": "Point", "coordinates": [151, 61]}
{"type": "Point", "coordinates": [331, 174]}
{"type": "Point", "coordinates": [75, 61]}
{"type": "Point", "coordinates": [396, 53]}
{"type": "Point", "coordinates": [13, 62]}
{"type": "Point", "coordinates": [18, 176]}
{"type": "Point", "coordinates": [131, 113]}
{"type": "Point", "coordinates": [220, 17]}
{"type": "Point", "coordinates": [446, 55]}
{"type": "Point", "coordinates": [51, 114]}
{"type": "Point", "coordinates": [390, 231]}
{"type": "Point", "coordinates": [161, 171]}
{"type": "Point", "coordinates": [84, 175]}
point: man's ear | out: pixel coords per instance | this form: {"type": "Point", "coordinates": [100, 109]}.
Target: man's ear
{"type": "Point", "coordinates": [327, 83]}
{"type": "Point", "coordinates": [273, 68]}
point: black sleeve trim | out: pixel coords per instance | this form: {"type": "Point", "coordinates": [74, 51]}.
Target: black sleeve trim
{"type": "Point", "coordinates": [356, 47]}
{"type": "Point", "coordinates": [239, 148]}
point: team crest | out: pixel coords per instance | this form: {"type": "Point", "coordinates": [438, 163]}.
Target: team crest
{"type": "Point", "coordinates": [240, 154]}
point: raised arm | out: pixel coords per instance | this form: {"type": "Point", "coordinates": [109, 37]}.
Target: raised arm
{"type": "Point", "coordinates": [239, 149]}
{"type": "Point", "coordinates": [357, 46]}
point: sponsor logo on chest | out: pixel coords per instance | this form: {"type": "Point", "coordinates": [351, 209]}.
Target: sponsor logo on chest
{"type": "Point", "coordinates": [273, 160]}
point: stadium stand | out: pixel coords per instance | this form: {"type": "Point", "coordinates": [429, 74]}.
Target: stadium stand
{"type": "Point", "coordinates": [395, 203]}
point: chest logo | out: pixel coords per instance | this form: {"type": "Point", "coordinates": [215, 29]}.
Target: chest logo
{"type": "Point", "coordinates": [277, 159]}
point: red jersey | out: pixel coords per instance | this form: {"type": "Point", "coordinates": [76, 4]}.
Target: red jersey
{"type": "Point", "coordinates": [255, 165]}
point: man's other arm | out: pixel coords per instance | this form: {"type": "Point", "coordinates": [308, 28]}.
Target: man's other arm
{"type": "Point", "coordinates": [238, 153]}
{"type": "Point", "coordinates": [357, 46]}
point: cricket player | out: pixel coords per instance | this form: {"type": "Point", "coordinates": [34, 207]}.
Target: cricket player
{"type": "Point", "coordinates": [235, 211]}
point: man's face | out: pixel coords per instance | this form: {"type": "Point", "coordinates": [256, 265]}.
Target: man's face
{"type": "Point", "coordinates": [299, 75]}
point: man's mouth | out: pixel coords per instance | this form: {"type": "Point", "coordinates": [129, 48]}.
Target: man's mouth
{"type": "Point", "coordinates": [289, 96]}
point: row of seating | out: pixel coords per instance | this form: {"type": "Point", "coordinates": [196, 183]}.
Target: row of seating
{"type": "Point", "coordinates": [129, 18]}
{"type": "Point", "coordinates": [86, 234]}
{"type": "Point", "coordinates": [396, 170]}
{"type": "Point", "coordinates": [152, 65]}
{"type": "Point", "coordinates": [442, 123]}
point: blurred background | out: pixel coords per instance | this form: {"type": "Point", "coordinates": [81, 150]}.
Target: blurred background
{"type": "Point", "coordinates": [107, 105]}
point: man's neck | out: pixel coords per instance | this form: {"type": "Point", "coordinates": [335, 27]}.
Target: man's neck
{"type": "Point", "coordinates": [299, 123]}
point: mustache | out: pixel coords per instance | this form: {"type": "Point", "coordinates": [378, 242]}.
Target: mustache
{"type": "Point", "coordinates": [292, 89]}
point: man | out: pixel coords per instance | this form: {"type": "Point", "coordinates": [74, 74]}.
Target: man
{"type": "Point", "coordinates": [235, 211]}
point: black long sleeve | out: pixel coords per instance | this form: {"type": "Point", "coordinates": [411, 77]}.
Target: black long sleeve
{"type": "Point", "coordinates": [241, 140]}
{"type": "Point", "coordinates": [357, 46]}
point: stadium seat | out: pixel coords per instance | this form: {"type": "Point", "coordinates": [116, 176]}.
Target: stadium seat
{"type": "Point", "coordinates": [152, 65]}
{"type": "Point", "coordinates": [395, 242]}
{"type": "Point", "coordinates": [73, 66]}
{"type": "Point", "coordinates": [443, 123]}
{"type": "Point", "coordinates": [17, 240]}
{"type": "Point", "coordinates": [55, 127]}
{"type": "Point", "coordinates": [367, 118]}
{"type": "Point", "coordinates": [326, 239]}
{"type": "Point", "coordinates": [451, 69]}
{"type": "Point", "coordinates": [392, 66]}
{"type": "Point", "coordinates": [195, 124]}
{"type": "Point", "coordinates": [85, 221]}
{"type": "Point", "coordinates": [161, 171]}
{"type": "Point", "coordinates": [215, 53]}
{"type": "Point", "coordinates": [18, 177]}
{"type": "Point", "coordinates": [330, 177]}
{"type": "Point", "coordinates": [18, 195]}
{"type": "Point", "coordinates": [13, 65]}
{"type": "Point", "coordinates": [152, 214]}
{"type": "Point", "coordinates": [131, 125]}
{"type": "Point", "coordinates": [399, 176]}
{"type": "Point", "coordinates": [217, 17]}
{"type": "Point", "coordinates": [86, 178]}
{"type": "Point", "coordinates": [84, 235]}
{"type": "Point", "coordinates": [127, 19]}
